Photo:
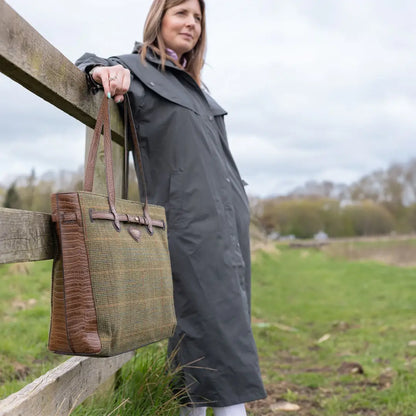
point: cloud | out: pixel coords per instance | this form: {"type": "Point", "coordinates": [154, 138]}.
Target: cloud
{"type": "Point", "coordinates": [314, 90]}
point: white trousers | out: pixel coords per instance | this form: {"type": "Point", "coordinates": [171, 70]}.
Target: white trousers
{"type": "Point", "coordinates": [235, 410]}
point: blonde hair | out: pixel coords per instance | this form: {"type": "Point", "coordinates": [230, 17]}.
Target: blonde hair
{"type": "Point", "coordinates": [152, 37]}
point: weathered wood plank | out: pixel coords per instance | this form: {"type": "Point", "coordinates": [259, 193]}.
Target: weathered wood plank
{"type": "Point", "coordinates": [25, 236]}
{"type": "Point", "coordinates": [60, 390]}
{"type": "Point", "coordinates": [30, 60]}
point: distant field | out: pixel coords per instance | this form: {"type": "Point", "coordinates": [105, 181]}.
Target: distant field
{"type": "Point", "coordinates": [336, 336]}
{"type": "Point", "coordinates": [336, 332]}
{"type": "Point", "coordinates": [398, 251]}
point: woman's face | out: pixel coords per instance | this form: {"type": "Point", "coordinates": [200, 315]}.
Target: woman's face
{"type": "Point", "coordinates": [181, 26]}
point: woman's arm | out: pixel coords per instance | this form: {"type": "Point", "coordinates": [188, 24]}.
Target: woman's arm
{"type": "Point", "coordinates": [114, 78]}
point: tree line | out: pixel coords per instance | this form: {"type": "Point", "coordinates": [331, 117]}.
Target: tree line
{"type": "Point", "coordinates": [304, 218]}
{"type": "Point", "coordinates": [33, 193]}
{"type": "Point", "coordinates": [381, 202]}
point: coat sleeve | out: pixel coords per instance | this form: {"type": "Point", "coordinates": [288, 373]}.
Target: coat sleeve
{"type": "Point", "coordinates": [88, 61]}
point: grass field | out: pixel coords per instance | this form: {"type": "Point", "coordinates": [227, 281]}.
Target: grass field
{"type": "Point", "coordinates": [336, 333]}
{"type": "Point", "coordinates": [24, 324]}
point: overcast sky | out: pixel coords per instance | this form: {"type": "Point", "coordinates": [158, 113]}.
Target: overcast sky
{"type": "Point", "coordinates": [315, 89]}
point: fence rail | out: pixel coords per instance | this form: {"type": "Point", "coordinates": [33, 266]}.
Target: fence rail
{"type": "Point", "coordinates": [25, 236]}
{"type": "Point", "coordinates": [27, 58]}
{"type": "Point", "coordinates": [60, 390]}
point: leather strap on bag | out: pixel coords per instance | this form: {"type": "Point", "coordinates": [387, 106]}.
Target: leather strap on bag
{"type": "Point", "coordinates": [103, 124]}
{"type": "Point", "coordinates": [92, 154]}
{"type": "Point", "coordinates": [125, 190]}
{"type": "Point", "coordinates": [128, 120]}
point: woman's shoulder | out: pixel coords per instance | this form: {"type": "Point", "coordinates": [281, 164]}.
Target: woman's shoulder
{"type": "Point", "coordinates": [132, 60]}
{"type": "Point", "coordinates": [145, 70]}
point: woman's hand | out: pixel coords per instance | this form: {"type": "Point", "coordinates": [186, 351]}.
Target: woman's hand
{"type": "Point", "coordinates": [114, 79]}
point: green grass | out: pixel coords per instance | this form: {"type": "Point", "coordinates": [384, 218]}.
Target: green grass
{"type": "Point", "coordinates": [368, 311]}
{"type": "Point", "coordinates": [311, 313]}
{"type": "Point", "coordinates": [24, 325]}
{"type": "Point", "coordinates": [144, 388]}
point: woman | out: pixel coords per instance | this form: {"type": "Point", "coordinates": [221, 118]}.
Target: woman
{"type": "Point", "coordinates": [189, 169]}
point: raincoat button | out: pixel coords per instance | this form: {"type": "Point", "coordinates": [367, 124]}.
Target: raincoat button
{"type": "Point", "coordinates": [211, 118]}
{"type": "Point", "coordinates": [152, 83]}
{"type": "Point", "coordinates": [228, 180]}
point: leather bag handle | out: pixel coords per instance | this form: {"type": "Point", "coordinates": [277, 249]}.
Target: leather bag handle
{"type": "Point", "coordinates": [103, 124]}
{"type": "Point", "coordinates": [138, 164]}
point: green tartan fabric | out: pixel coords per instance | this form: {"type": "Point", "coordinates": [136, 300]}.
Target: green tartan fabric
{"type": "Point", "coordinates": [131, 280]}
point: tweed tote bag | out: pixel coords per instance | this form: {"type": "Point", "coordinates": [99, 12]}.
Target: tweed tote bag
{"type": "Point", "coordinates": [111, 280]}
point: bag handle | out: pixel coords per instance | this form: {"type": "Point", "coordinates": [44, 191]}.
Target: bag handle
{"type": "Point", "coordinates": [103, 124]}
{"type": "Point", "coordinates": [92, 154]}
{"type": "Point", "coordinates": [138, 164]}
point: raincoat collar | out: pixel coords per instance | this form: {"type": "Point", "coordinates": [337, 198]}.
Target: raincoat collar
{"type": "Point", "coordinates": [166, 84]}
{"type": "Point", "coordinates": [152, 57]}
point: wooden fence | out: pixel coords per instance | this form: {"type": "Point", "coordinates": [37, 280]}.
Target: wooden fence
{"type": "Point", "coordinates": [27, 58]}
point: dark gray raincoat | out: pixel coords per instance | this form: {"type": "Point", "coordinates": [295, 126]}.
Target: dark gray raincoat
{"type": "Point", "coordinates": [189, 169]}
